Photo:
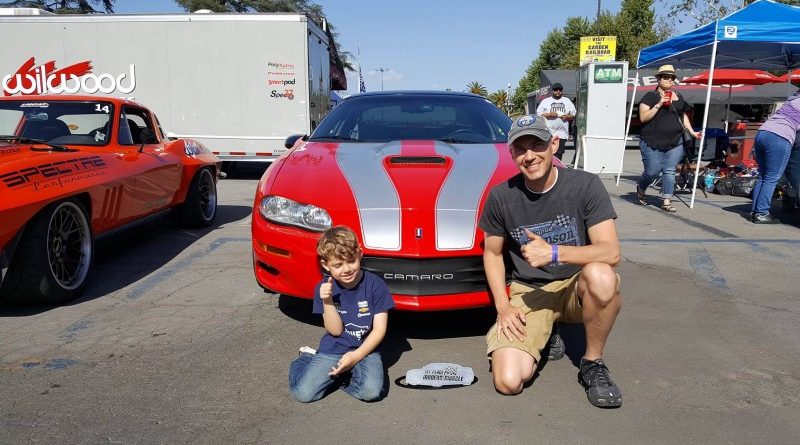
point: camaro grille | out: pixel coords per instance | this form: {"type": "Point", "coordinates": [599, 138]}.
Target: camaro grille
{"type": "Point", "coordinates": [428, 276]}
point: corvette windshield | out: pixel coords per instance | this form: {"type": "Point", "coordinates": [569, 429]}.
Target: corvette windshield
{"type": "Point", "coordinates": [446, 117]}
{"type": "Point", "coordinates": [57, 122]}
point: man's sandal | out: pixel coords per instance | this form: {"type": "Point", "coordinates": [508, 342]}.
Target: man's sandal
{"type": "Point", "coordinates": [668, 207]}
{"type": "Point", "coordinates": [642, 197]}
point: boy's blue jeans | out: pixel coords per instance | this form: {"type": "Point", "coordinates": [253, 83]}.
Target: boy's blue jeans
{"type": "Point", "coordinates": [772, 154]}
{"type": "Point", "coordinates": [657, 161]}
{"type": "Point", "coordinates": [309, 379]}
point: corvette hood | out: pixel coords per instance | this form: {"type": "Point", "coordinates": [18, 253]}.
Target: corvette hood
{"type": "Point", "coordinates": [404, 192]}
{"type": "Point", "coordinates": [10, 152]}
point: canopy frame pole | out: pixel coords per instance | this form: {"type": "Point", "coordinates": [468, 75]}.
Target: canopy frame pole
{"type": "Point", "coordinates": [705, 114]}
{"type": "Point", "coordinates": [628, 126]}
{"type": "Point", "coordinates": [728, 108]}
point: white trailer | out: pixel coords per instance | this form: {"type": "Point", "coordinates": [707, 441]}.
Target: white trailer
{"type": "Point", "coordinates": [239, 83]}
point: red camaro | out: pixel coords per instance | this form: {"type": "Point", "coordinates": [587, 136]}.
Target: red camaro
{"type": "Point", "coordinates": [75, 168]}
{"type": "Point", "coordinates": [409, 172]}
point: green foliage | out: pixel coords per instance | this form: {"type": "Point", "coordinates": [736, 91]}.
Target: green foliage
{"type": "Point", "coordinates": [500, 99]}
{"type": "Point", "coordinates": [312, 10]}
{"type": "Point", "coordinates": [64, 6]}
{"type": "Point", "coordinates": [635, 27]}
{"type": "Point", "coordinates": [699, 12]}
{"type": "Point", "coordinates": [476, 87]}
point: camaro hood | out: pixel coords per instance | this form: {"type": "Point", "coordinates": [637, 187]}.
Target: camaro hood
{"type": "Point", "coordinates": [402, 190]}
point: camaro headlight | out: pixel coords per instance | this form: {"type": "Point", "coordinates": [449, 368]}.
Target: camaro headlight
{"type": "Point", "coordinates": [285, 211]}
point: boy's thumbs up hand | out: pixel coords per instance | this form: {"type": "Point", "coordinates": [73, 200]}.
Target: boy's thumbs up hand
{"type": "Point", "coordinates": [537, 252]}
{"type": "Point", "coordinates": [326, 290]}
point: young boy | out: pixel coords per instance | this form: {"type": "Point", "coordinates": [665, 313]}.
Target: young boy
{"type": "Point", "coordinates": [354, 306]}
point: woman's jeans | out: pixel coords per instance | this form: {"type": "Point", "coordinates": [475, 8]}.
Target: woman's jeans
{"type": "Point", "coordinates": [309, 379]}
{"type": "Point", "coordinates": [659, 160]}
{"type": "Point", "coordinates": [772, 154]}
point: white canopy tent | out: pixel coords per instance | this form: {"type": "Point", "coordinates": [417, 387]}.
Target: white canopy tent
{"type": "Point", "coordinates": [764, 35]}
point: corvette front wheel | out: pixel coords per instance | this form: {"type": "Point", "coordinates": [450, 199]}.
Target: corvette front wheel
{"type": "Point", "coordinates": [200, 207]}
{"type": "Point", "coordinates": [53, 258]}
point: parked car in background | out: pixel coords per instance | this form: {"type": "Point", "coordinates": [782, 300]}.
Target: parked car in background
{"type": "Point", "coordinates": [76, 168]}
{"type": "Point", "coordinates": [409, 172]}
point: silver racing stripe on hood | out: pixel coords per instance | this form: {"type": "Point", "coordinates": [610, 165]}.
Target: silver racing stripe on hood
{"type": "Point", "coordinates": [376, 197]}
{"type": "Point", "coordinates": [458, 200]}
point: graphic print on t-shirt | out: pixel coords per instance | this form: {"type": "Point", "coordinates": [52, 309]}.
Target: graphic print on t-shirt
{"type": "Point", "coordinates": [563, 230]}
{"type": "Point", "coordinates": [558, 108]}
{"type": "Point", "coordinates": [355, 330]}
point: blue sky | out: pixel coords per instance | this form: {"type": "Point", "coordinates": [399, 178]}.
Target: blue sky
{"type": "Point", "coordinates": [435, 44]}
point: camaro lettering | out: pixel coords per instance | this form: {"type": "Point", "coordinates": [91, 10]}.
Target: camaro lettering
{"type": "Point", "coordinates": [431, 277]}
{"type": "Point", "coordinates": [71, 166]}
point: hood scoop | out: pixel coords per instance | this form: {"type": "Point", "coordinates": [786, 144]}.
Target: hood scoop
{"type": "Point", "coordinates": [417, 160]}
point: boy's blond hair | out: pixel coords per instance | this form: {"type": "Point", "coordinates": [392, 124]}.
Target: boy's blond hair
{"type": "Point", "coordinates": [338, 243]}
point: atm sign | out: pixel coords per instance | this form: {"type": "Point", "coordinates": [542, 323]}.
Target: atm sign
{"type": "Point", "coordinates": [607, 74]}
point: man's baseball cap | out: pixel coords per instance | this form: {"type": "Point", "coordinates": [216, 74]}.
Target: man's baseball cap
{"type": "Point", "coordinates": [529, 125]}
{"type": "Point", "coordinates": [557, 86]}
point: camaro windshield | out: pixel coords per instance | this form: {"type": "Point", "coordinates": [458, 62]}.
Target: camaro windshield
{"type": "Point", "coordinates": [58, 122]}
{"type": "Point", "coordinates": [389, 117]}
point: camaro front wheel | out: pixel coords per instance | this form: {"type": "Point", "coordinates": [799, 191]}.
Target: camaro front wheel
{"type": "Point", "coordinates": [200, 207]}
{"type": "Point", "coordinates": [53, 258]}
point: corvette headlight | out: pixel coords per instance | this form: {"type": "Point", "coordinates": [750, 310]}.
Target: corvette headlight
{"type": "Point", "coordinates": [285, 211]}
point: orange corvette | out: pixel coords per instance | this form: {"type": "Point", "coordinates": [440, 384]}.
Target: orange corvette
{"type": "Point", "coordinates": [75, 168]}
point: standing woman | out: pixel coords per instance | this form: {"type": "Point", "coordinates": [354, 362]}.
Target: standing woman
{"type": "Point", "coordinates": [663, 116]}
{"type": "Point", "coordinates": [772, 148]}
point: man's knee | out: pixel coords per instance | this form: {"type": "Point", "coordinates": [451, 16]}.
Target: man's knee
{"type": "Point", "coordinates": [600, 283]}
{"type": "Point", "coordinates": [507, 383]}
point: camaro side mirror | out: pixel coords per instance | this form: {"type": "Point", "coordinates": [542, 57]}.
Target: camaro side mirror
{"type": "Point", "coordinates": [291, 140]}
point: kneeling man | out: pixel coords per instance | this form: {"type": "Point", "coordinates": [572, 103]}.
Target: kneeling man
{"type": "Point", "coordinates": [558, 227]}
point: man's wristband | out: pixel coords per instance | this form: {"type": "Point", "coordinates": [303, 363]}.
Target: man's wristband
{"type": "Point", "coordinates": [554, 255]}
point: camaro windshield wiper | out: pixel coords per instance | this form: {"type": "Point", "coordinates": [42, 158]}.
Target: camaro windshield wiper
{"type": "Point", "coordinates": [24, 140]}
{"type": "Point", "coordinates": [335, 138]}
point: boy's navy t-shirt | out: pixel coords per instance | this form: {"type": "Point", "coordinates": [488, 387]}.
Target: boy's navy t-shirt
{"type": "Point", "coordinates": [357, 307]}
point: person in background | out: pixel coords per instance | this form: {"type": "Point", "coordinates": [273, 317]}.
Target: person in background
{"type": "Point", "coordinates": [559, 112]}
{"type": "Point", "coordinates": [663, 116]}
{"type": "Point", "coordinates": [354, 306]}
{"type": "Point", "coordinates": [773, 148]}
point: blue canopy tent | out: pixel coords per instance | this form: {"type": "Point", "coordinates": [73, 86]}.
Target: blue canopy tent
{"type": "Point", "coordinates": [764, 35]}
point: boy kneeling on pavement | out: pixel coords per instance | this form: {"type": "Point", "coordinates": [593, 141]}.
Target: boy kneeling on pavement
{"type": "Point", "coordinates": [354, 306]}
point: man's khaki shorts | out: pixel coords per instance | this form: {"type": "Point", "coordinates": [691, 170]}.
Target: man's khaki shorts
{"type": "Point", "coordinates": [556, 301]}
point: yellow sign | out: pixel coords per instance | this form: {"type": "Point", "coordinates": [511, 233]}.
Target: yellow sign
{"type": "Point", "coordinates": [598, 49]}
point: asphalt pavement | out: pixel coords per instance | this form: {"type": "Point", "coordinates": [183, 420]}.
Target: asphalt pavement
{"type": "Point", "coordinates": [174, 342]}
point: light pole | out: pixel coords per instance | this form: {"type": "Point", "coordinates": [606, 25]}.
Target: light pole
{"type": "Point", "coordinates": [382, 70]}
{"type": "Point", "coordinates": [508, 100]}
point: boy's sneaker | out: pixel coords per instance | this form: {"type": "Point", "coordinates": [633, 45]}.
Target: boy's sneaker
{"type": "Point", "coordinates": [306, 349]}
{"type": "Point", "coordinates": [555, 345]}
{"type": "Point", "coordinates": [600, 389]}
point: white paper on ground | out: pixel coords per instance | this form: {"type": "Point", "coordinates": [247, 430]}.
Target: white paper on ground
{"type": "Point", "coordinates": [440, 374]}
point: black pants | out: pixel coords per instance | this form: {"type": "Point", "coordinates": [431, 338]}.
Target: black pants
{"type": "Point", "coordinates": [562, 143]}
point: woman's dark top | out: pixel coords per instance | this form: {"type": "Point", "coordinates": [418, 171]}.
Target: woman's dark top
{"type": "Point", "coordinates": [664, 130]}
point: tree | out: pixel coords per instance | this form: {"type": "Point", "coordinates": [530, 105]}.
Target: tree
{"type": "Point", "coordinates": [500, 98]}
{"type": "Point", "coordinates": [476, 87]}
{"type": "Point", "coordinates": [312, 10]}
{"type": "Point", "coordinates": [700, 12]}
{"type": "Point", "coordinates": [64, 6]}
{"type": "Point", "coordinates": [634, 26]}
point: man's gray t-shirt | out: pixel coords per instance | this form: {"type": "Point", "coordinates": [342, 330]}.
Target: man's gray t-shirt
{"type": "Point", "coordinates": [562, 215]}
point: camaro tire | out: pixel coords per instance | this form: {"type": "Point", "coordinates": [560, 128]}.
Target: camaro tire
{"type": "Point", "coordinates": [200, 207]}
{"type": "Point", "coordinates": [53, 258]}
